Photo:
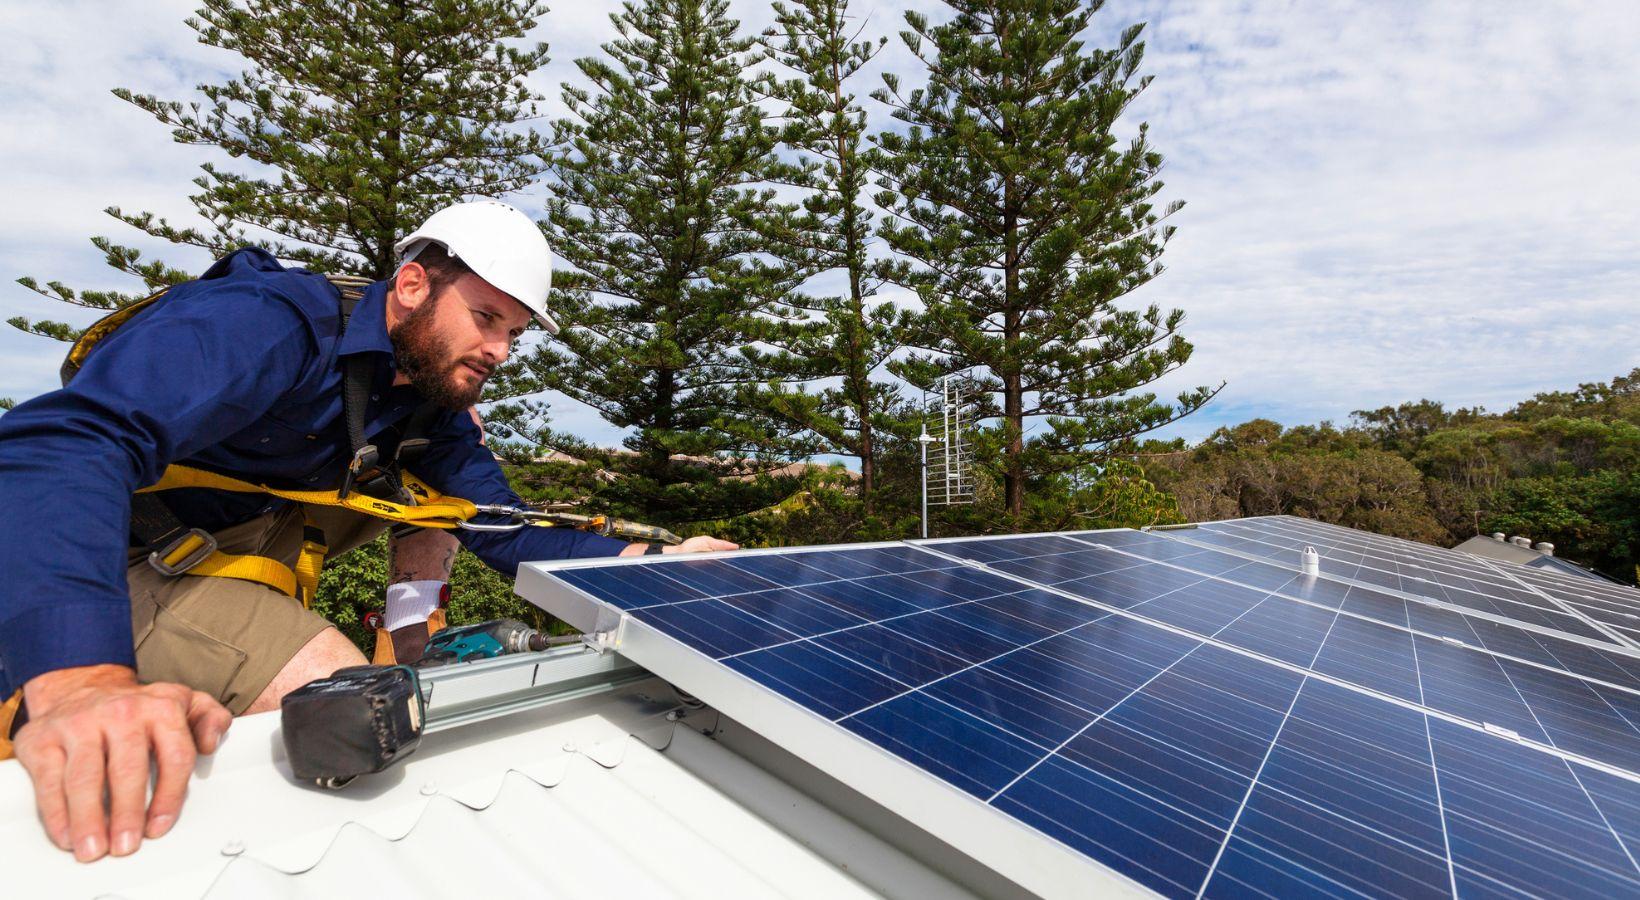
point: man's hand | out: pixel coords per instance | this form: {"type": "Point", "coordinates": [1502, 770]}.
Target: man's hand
{"type": "Point", "coordinates": [695, 544]}
{"type": "Point", "coordinates": [700, 543]}
{"type": "Point", "coordinates": [92, 729]}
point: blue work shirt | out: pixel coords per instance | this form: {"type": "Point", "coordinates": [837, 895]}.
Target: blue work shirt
{"type": "Point", "coordinates": [239, 372]}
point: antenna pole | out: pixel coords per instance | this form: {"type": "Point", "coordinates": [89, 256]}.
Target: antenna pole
{"type": "Point", "coordinates": [923, 441]}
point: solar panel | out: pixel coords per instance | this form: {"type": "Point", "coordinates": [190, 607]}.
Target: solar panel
{"type": "Point", "coordinates": [1191, 717]}
{"type": "Point", "coordinates": [1503, 637]}
{"type": "Point", "coordinates": [1460, 581]}
{"type": "Point", "coordinates": [1610, 604]}
{"type": "Point", "coordinates": [1545, 704]}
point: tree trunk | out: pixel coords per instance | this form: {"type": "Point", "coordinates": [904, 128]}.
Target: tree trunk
{"type": "Point", "coordinates": [861, 387]}
{"type": "Point", "coordinates": [659, 460]}
{"type": "Point", "coordinates": [1013, 418]}
{"type": "Point", "coordinates": [1013, 393]}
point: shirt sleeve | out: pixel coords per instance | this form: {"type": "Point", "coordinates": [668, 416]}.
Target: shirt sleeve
{"type": "Point", "coordinates": [181, 376]}
{"type": "Point", "coordinates": [458, 465]}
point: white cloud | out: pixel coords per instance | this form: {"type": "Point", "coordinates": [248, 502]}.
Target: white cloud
{"type": "Point", "coordinates": [1386, 200]}
{"type": "Point", "coordinates": [1393, 201]}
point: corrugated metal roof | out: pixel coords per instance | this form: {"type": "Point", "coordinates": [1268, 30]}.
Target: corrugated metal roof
{"type": "Point", "coordinates": [1492, 548]}
{"type": "Point", "coordinates": [595, 797]}
{"type": "Point", "coordinates": [1503, 551]}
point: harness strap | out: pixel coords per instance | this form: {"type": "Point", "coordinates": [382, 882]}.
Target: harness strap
{"type": "Point", "coordinates": [9, 711]}
{"type": "Point", "coordinates": [302, 583]}
{"type": "Point", "coordinates": [259, 569]}
{"type": "Point", "coordinates": [311, 561]}
{"type": "Point", "coordinates": [430, 509]}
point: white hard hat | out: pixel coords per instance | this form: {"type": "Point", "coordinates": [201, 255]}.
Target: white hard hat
{"type": "Point", "coordinates": [500, 244]}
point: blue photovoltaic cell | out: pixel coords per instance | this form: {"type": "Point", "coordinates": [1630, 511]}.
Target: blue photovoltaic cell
{"type": "Point", "coordinates": [1290, 632]}
{"type": "Point", "coordinates": [1460, 680]}
{"type": "Point", "coordinates": [1371, 655]}
{"type": "Point", "coordinates": [1501, 800]}
{"type": "Point", "coordinates": [630, 587]}
{"type": "Point", "coordinates": [1452, 580]}
{"type": "Point", "coordinates": [1346, 801]}
{"type": "Point", "coordinates": [887, 649]}
{"type": "Point", "coordinates": [716, 577]}
{"type": "Point", "coordinates": [1510, 640]}
{"type": "Point", "coordinates": [715, 628]}
{"type": "Point", "coordinates": [819, 679]}
{"type": "Point", "coordinates": [987, 692]}
{"type": "Point", "coordinates": [971, 753]}
{"type": "Point", "coordinates": [1150, 705]}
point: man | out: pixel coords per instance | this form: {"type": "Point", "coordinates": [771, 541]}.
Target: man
{"type": "Point", "coordinates": [239, 373]}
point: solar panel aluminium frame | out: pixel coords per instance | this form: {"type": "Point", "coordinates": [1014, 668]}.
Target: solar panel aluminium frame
{"type": "Point", "coordinates": [1033, 861]}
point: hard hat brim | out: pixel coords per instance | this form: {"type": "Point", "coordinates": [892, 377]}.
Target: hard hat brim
{"type": "Point", "coordinates": [547, 322]}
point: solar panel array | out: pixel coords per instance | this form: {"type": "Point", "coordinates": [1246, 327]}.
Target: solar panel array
{"type": "Point", "coordinates": [1188, 709]}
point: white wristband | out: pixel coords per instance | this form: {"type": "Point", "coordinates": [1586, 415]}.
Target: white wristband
{"type": "Point", "coordinates": [409, 602]}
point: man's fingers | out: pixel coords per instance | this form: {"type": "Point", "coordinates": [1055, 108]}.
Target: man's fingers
{"type": "Point", "coordinates": [209, 720]}
{"type": "Point", "coordinates": [174, 759]}
{"type": "Point", "coordinates": [127, 789]}
{"type": "Point", "coordinates": [83, 789]}
{"type": "Point", "coordinates": [45, 767]}
{"type": "Point", "coordinates": [701, 543]}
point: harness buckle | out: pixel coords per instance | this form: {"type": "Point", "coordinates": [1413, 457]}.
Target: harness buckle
{"type": "Point", "coordinates": [410, 451]}
{"type": "Point", "coordinates": [363, 467]}
{"type": "Point", "coordinates": [207, 546]}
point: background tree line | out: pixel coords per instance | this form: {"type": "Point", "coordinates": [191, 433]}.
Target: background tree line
{"type": "Point", "coordinates": [1560, 466]}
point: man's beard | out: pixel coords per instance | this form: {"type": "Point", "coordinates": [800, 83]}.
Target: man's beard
{"type": "Point", "coordinates": [425, 358]}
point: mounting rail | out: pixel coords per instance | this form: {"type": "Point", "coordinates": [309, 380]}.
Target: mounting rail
{"type": "Point", "coordinates": [464, 693]}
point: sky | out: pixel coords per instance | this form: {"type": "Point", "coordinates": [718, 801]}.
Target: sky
{"type": "Point", "coordinates": [1385, 201]}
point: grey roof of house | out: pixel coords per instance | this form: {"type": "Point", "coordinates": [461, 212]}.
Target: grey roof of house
{"type": "Point", "coordinates": [1503, 551]}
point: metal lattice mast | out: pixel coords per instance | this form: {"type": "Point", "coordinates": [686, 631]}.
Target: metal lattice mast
{"type": "Point", "coordinates": [951, 474]}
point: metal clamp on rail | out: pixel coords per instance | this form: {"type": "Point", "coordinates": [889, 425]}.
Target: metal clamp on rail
{"type": "Point", "coordinates": [207, 546]}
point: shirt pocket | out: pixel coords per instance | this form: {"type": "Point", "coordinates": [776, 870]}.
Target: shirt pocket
{"type": "Point", "coordinates": [272, 439]}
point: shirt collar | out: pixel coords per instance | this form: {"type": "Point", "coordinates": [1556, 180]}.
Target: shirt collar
{"type": "Point", "coordinates": [367, 329]}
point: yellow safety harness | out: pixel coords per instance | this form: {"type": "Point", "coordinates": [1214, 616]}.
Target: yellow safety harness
{"type": "Point", "coordinates": [177, 549]}
{"type": "Point", "coordinates": [431, 509]}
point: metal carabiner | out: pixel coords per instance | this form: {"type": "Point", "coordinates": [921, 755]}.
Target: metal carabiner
{"type": "Point", "coordinates": [519, 515]}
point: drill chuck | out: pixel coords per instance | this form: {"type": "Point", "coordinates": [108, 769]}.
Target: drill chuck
{"type": "Point", "coordinates": [482, 641]}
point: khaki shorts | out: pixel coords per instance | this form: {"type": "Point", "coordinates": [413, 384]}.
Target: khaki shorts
{"type": "Point", "coordinates": [228, 637]}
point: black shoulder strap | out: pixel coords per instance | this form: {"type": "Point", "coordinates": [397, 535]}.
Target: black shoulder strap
{"type": "Point", "coordinates": [372, 469]}
{"type": "Point", "coordinates": [366, 470]}
{"type": "Point", "coordinates": [414, 443]}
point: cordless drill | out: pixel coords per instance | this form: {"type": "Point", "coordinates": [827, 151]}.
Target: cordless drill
{"type": "Point", "coordinates": [464, 643]}
{"type": "Point", "coordinates": [365, 718]}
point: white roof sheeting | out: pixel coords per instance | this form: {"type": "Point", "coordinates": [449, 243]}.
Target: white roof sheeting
{"type": "Point", "coordinates": [563, 801]}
